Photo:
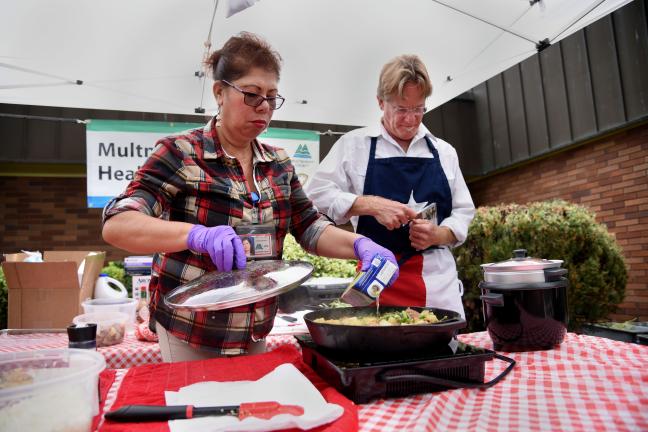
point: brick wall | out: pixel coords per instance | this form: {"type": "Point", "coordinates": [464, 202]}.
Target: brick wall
{"type": "Point", "coordinates": [609, 176]}
{"type": "Point", "coordinates": [49, 214]}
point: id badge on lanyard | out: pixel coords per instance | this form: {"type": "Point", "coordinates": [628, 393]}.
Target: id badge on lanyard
{"type": "Point", "coordinates": [259, 239]}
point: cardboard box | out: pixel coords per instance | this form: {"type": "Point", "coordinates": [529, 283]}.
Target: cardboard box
{"type": "Point", "coordinates": [47, 294]}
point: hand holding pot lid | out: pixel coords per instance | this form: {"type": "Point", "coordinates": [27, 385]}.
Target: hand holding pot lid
{"type": "Point", "coordinates": [221, 243]}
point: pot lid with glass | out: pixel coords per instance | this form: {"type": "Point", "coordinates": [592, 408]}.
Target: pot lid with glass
{"type": "Point", "coordinates": [223, 290]}
{"type": "Point", "coordinates": [523, 269]}
{"type": "Point", "coordinates": [521, 262]}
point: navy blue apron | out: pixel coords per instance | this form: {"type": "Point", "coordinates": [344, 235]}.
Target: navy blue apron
{"type": "Point", "coordinates": [395, 178]}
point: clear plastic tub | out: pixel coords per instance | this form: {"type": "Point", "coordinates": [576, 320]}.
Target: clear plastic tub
{"type": "Point", "coordinates": [49, 390]}
{"type": "Point", "coordinates": [111, 326]}
{"type": "Point", "coordinates": [125, 305]}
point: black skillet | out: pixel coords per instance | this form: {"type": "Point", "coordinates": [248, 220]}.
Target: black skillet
{"type": "Point", "coordinates": [381, 340]}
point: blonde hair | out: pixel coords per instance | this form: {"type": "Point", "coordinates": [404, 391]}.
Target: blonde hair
{"type": "Point", "coordinates": [401, 70]}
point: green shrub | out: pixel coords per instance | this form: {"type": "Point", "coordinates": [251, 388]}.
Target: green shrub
{"type": "Point", "coordinates": [115, 270]}
{"type": "Point", "coordinates": [552, 230]}
{"type": "Point", "coordinates": [323, 266]}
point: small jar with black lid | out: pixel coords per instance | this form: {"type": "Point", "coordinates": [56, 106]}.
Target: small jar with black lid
{"type": "Point", "coordinates": [84, 337]}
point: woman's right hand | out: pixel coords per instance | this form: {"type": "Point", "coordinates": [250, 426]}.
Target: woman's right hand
{"type": "Point", "coordinates": [221, 243]}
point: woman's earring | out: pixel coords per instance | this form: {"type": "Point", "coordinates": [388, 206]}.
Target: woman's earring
{"type": "Point", "coordinates": [218, 117]}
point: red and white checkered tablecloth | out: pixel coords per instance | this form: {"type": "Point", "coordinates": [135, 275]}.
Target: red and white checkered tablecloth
{"type": "Point", "coordinates": [130, 352]}
{"type": "Point", "coordinates": [586, 384]}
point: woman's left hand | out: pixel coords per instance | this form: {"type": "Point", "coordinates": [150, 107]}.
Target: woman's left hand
{"type": "Point", "coordinates": [365, 249]}
{"type": "Point", "coordinates": [424, 234]}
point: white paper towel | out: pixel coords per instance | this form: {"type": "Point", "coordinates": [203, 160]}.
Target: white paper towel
{"type": "Point", "coordinates": [285, 385]}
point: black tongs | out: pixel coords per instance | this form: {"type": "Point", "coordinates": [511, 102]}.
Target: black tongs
{"type": "Point", "coordinates": [152, 413]}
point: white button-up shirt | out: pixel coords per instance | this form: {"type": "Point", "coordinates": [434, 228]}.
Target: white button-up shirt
{"type": "Point", "coordinates": [340, 178]}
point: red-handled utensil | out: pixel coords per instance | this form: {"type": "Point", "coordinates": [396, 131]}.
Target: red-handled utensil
{"type": "Point", "coordinates": [150, 413]}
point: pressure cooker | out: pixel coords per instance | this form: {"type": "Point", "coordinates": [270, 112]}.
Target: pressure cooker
{"type": "Point", "coordinates": [525, 302]}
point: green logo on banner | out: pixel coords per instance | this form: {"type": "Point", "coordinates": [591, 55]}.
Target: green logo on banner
{"type": "Point", "coordinates": [302, 152]}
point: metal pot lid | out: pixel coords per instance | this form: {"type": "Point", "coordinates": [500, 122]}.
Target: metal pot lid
{"type": "Point", "coordinates": [521, 262]}
{"type": "Point", "coordinates": [223, 290]}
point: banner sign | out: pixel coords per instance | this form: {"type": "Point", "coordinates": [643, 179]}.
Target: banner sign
{"type": "Point", "coordinates": [115, 149]}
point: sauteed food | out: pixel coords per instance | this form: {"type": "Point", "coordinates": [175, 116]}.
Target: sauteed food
{"type": "Point", "coordinates": [403, 317]}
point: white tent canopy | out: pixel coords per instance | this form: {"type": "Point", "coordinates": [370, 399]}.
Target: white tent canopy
{"type": "Point", "coordinates": [142, 55]}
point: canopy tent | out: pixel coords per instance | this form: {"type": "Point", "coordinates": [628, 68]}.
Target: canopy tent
{"type": "Point", "coordinates": [143, 55]}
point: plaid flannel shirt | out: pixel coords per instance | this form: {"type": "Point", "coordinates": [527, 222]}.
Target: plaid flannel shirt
{"type": "Point", "coordinates": [189, 178]}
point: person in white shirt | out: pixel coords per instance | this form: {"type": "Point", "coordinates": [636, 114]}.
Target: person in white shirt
{"type": "Point", "coordinates": [380, 177]}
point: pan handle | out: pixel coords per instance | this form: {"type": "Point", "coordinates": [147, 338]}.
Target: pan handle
{"type": "Point", "coordinates": [493, 299]}
{"type": "Point", "coordinates": [452, 383]}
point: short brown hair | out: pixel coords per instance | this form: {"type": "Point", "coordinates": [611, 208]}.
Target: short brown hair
{"type": "Point", "coordinates": [242, 53]}
{"type": "Point", "coordinates": [401, 70]}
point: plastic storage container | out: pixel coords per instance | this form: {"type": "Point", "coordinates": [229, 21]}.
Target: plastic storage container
{"type": "Point", "coordinates": [111, 326]}
{"type": "Point", "coordinates": [126, 305]}
{"type": "Point", "coordinates": [49, 390]}
{"type": "Point", "coordinates": [624, 333]}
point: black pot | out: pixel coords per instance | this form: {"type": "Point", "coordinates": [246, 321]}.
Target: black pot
{"type": "Point", "coordinates": [526, 316]}
{"type": "Point", "coordinates": [381, 341]}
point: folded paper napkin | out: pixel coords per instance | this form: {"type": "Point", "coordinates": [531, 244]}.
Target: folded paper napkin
{"type": "Point", "coordinates": [285, 385]}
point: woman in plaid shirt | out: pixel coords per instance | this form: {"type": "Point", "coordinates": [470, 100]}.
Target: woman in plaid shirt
{"type": "Point", "coordinates": [198, 186]}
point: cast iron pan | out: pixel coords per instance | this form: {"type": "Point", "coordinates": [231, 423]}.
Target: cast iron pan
{"type": "Point", "coordinates": [380, 340]}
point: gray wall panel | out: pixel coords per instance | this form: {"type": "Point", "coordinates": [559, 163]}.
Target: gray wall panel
{"type": "Point", "coordinates": [469, 157]}
{"type": "Point", "coordinates": [579, 86]}
{"type": "Point", "coordinates": [484, 132]}
{"type": "Point", "coordinates": [499, 123]}
{"type": "Point", "coordinates": [43, 137]}
{"type": "Point", "coordinates": [555, 94]}
{"type": "Point", "coordinates": [71, 134]}
{"type": "Point", "coordinates": [434, 122]}
{"type": "Point", "coordinates": [12, 134]}
{"type": "Point", "coordinates": [608, 96]}
{"type": "Point", "coordinates": [444, 124]}
{"type": "Point", "coordinates": [534, 105]}
{"type": "Point", "coordinates": [452, 129]}
{"type": "Point", "coordinates": [515, 113]}
{"type": "Point", "coordinates": [631, 34]}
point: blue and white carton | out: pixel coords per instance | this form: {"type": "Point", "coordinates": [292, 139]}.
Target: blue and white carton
{"type": "Point", "coordinates": [366, 287]}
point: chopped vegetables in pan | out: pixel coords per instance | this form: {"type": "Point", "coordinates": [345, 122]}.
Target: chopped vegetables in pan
{"type": "Point", "coordinates": [405, 317]}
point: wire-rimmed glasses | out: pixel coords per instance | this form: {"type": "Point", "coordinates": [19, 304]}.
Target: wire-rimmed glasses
{"type": "Point", "coordinates": [401, 111]}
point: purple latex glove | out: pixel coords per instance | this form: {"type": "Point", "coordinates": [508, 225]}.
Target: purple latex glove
{"type": "Point", "coordinates": [221, 243]}
{"type": "Point", "coordinates": [365, 249]}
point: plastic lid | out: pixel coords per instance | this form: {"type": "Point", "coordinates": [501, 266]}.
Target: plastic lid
{"type": "Point", "coordinates": [521, 262]}
{"type": "Point", "coordinates": [45, 368]}
{"type": "Point", "coordinates": [110, 302]}
{"type": "Point", "coordinates": [223, 290]}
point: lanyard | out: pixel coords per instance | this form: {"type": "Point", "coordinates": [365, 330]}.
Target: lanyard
{"type": "Point", "coordinates": [256, 205]}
